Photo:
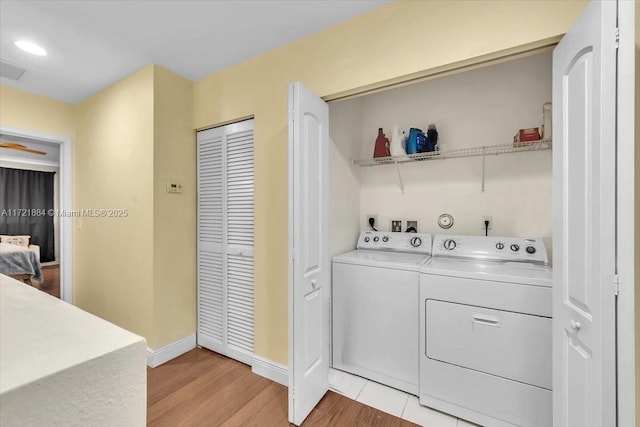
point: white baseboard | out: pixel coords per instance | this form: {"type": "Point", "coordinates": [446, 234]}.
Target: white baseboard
{"type": "Point", "coordinates": [170, 351]}
{"type": "Point", "coordinates": [271, 370]}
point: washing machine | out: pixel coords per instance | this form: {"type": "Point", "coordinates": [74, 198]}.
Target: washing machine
{"type": "Point", "coordinates": [485, 330]}
{"type": "Point", "coordinates": [375, 308]}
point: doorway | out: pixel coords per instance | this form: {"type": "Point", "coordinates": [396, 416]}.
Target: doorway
{"type": "Point", "coordinates": [62, 161]}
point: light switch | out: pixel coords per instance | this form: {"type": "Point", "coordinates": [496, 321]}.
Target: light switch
{"type": "Point", "coordinates": [174, 187]}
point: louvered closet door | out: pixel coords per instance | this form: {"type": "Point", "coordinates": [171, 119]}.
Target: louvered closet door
{"type": "Point", "coordinates": [239, 156]}
{"type": "Point", "coordinates": [225, 240]}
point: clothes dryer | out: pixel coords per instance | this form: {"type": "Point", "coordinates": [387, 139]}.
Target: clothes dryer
{"type": "Point", "coordinates": [485, 330]}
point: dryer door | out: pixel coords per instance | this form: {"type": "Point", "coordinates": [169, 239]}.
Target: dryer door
{"type": "Point", "coordinates": [509, 345]}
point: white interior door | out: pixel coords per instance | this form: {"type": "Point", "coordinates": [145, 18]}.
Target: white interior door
{"type": "Point", "coordinates": [225, 240]}
{"type": "Point", "coordinates": [584, 119]}
{"type": "Point", "coordinates": [309, 276]}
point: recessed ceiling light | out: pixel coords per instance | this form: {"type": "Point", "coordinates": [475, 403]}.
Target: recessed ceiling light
{"type": "Point", "coordinates": [31, 47]}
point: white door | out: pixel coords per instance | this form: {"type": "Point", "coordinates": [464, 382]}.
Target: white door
{"type": "Point", "coordinates": [584, 139]}
{"type": "Point", "coordinates": [309, 276]}
{"type": "Point", "coordinates": [225, 240]}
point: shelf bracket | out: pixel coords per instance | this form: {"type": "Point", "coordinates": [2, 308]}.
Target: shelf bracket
{"type": "Point", "coordinates": [484, 155]}
{"type": "Point", "coordinates": [399, 176]}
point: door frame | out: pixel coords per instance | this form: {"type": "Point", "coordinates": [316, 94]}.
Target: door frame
{"type": "Point", "coordinates": [626, 210]}
{"type": "Point", "coordinates": [66, 202]}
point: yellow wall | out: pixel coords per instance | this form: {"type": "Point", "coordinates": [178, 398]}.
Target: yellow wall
{"type": "Point", "coordinates": [174, 215]}
{"type": "Point", "coordinates": [23, 110]}
{"type": "Point", "coordinates": [113, 169]}
{"type": "Point", "coordinates": [138, 272]}
{"type": "Point", "coordinates": [375, 47]}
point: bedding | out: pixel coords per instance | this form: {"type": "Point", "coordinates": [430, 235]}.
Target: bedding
{"type": "Point", "coordinates": [17, 260]}
{"type": "Point", "coordinates": [16, 240]}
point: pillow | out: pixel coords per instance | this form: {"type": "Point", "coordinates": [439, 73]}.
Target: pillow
{"type": "Point", "coordinates": [16, 240]}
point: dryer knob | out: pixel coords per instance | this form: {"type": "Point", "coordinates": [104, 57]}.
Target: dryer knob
{"type": "Point", "coordinates": [449, 244]}
{"type": "Point", "coordinates": [515, 248]}
{"type": "Point", "coordinates": [375, 239]}
{"type": "Point", "coordinates": [531, 250]}
{"type": "Point", "coordinates": [366, 240]}
{"type": "Point", "coordinates": [385, 239]}
{"type": "Point", "coordinates": [499, 246]}
{"type": "Point", "coordinates": [415, 242]}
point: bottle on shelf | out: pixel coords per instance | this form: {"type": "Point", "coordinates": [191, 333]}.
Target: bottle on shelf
{"type": "Point", "coordinates": [381, 148]}
{"type": "Point", "coordinates": [415, 143]}
{"type": "Point", "coordinates": [396, 148]}
{"type": "Point", "coordinates": [432, 138]}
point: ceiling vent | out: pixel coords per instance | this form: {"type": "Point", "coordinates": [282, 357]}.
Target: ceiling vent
{"type": "Point", "coordinates": [10, 71]}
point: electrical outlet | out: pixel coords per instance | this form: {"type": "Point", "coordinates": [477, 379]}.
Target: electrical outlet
{"type": "Point", "coordinates": [367, 224]}
{"type": "Point", "coordinates": [395, 225]}
{"type": "Point", "coordinates": [487, 218]}
{"type": "Point", "coordinates": [412, 225]}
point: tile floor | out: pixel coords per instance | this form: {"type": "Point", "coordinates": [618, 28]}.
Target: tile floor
{"type": "Point", "coordinates": [390, 400]}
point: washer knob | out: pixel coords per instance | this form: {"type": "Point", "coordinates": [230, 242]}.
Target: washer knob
{"type": "Point", "coordinates": [531, 250]}
{"type": "Point", "coordinates": [375, 239]}
{"type": "Point", "coordinates": [385, 239]}
{"type": "Point", "coordinates": [515, 248]}
{"type": "Point", "coordinates": [415, 241]}
{"type": "Point", "coordinates": [449, 244]}
{"type": "Point", "coordinates": [500, 246]}
{"type": "Point", "coordinates": [366, 240]}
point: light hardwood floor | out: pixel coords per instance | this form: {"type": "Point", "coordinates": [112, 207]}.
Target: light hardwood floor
{"type": "Point", "coordinates": [51, 282]}
{"type": "Point", "coordinates": [203, 388]}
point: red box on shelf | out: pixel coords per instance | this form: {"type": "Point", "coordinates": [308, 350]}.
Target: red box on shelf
{"type": "Point", "coordinates": [527, 135]}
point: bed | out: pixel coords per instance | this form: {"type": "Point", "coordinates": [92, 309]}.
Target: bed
{"type": "Point", "coordinates": [20, 260]}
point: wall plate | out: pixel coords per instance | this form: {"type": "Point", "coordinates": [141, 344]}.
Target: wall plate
{"type": "Point", "coordinates": [174, 187]}
{"type": "Point", "coordinates": [445, 221]}
{"type": "Point", "coordinates": [411, 226]}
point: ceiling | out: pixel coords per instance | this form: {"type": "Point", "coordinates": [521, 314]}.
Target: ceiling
{"type": "Point", "coordinates": [93, 44]}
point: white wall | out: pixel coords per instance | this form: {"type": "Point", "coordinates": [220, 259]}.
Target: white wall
{"type": "Point", "coordinates": [26, 165]}
{"type": "Point", "coordinates": [485, 106]}
{"type": "Point", "coordinates": [344, 197]}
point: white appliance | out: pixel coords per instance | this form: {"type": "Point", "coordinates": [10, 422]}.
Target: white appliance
{"type": "Point", "coordinates": [376, 308]}
{"type": "Point", "coordinates": [485, 330]}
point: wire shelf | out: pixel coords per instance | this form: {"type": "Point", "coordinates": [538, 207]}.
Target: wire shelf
{"type": "Point", "coordinates": [484, 150]}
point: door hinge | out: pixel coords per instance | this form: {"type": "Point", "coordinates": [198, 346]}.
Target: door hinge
{"type": "Point", "coordinates": [616, 284]}
{"type": "Point", "coordinates": [617, 37]}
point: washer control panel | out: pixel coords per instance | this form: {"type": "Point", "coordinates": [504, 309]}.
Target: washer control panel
{"type": "Point", "coordinates": [419, 243]}
{"type": "Point", "coordinates": [491, 248]}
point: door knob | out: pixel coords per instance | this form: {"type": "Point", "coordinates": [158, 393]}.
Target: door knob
{"type": "Point", "coordinates": [575, 325]}
{"type": "Point", "coordinates": [314, 283]}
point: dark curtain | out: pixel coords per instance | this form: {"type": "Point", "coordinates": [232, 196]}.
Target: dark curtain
{"type": "Point", "coordinates": [25, 198]}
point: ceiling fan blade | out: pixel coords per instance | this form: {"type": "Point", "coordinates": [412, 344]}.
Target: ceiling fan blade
{"type": "Point", "coordinates": [20, 147]}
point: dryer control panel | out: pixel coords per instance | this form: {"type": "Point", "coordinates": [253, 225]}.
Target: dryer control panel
{"type": "Point", "coordinates": [419, 243]}
{"type": "Point", "coordinates": [515, 249]}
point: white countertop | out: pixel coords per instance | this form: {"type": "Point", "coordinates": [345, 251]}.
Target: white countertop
{"type": "Point", "coordinates": [41, 335]}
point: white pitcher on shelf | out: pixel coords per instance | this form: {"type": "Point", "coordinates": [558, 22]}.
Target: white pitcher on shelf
{"type": "Point", "coordinates": [396, 148]}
